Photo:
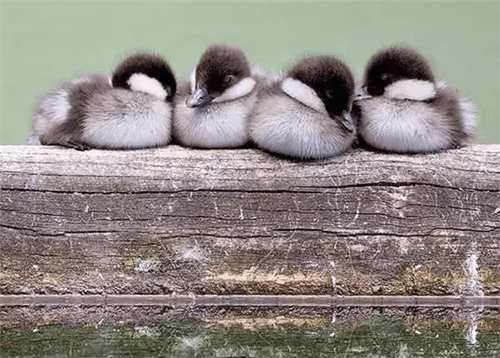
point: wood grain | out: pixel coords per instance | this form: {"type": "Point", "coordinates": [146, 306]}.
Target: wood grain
{"type": "Point", "coordinates": [184, 221]}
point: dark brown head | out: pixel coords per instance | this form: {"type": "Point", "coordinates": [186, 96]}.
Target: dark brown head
{"type": "Point", "coordinates": [333, 83]}
{"type": "Point", "coordinates": [146, 73]}
{"type": "Point", "coordinates": [393, 64]}
{"type": "Point", "coordinates": [221, 66]}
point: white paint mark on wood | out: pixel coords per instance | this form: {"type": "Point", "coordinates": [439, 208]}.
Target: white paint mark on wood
{"type": "Point", "coordinates": [334, 282]}
{"type": "Point", "coordinates": [358, 248]}
{"type": "Point", "coordinates": [192, 253]}
{"type": "Point", "coordinates": [472, 266]}
{"type": "Point", "coordinates": [147, 265]}
{"type": "Point", "coordinates": [404, 245]}
{"type": "Point", "coordinates": [473, 286]}
{"type": "Point", "coordinates": [355, 216]}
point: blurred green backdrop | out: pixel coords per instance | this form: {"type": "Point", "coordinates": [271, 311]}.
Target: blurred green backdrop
{"type": "Point", "coordinates": [44, 43]}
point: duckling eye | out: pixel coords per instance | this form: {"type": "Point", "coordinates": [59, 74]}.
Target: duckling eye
{"type": "Point", "coordinates": [384, 76]}
{"type": "Point", "coordinates": [228, 79]}
{"type": "Point", "coordinates": [329, 94]}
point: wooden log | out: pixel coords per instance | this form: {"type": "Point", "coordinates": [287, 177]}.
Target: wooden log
{"type": "Point", "coordinates": [216, 222]}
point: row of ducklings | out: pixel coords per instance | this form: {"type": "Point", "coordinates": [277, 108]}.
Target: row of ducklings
{"type": "Point", "coordinates": [315, 110]}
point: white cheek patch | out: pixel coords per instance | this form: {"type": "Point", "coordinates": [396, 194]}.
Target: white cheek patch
{"type": "Point", "coordinates": [416, 90]}
{"type": "Point", "coordinates": [192, 80]}
{"type": "Point", "coordinates": [142, 83]}
{"type": "Point", "coordinates": [242, 88]}
{"type": "Point", "coordinates": [303, 93]}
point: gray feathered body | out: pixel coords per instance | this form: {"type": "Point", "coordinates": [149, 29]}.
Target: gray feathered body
{"type": "Point", "coordinates": [89, 112]}
{"type": "Point", "coordinates": [284, 125]}
{"type": "Point", "coordinates": [411, 126]}
{"type": "Point", "coordinates": [213, 125]}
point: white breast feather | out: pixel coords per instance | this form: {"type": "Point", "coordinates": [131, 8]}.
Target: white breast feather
{"type": "Point", "coordinates": [403, 126]}
{"type": "Point", "coordinates": [213, 125]}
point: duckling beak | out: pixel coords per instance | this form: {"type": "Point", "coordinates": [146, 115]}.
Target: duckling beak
{"type": "Point", "coordinates": [361, 94]}
{"type": "Point", "coordinates": [347, 121]}
{"type": "Point", "coordinates": [199, 97]}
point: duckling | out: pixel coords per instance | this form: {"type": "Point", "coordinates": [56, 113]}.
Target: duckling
{"type": "Point", "coordinates": [212, 107]}
{"type": "Point", "coordinates": [131, 108]}
{"type": "Point", "coordinates": [306, 113]}
{"type": "Point", "coordinates": [401, 108]}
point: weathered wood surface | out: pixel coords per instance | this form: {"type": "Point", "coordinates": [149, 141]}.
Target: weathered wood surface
{"type": "Point", "coordinates": [31, 311]}
{"type": "Point", "coordinates": [183, 221]}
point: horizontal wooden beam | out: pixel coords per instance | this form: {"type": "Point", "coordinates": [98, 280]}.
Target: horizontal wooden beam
{"type": "Point", "coordinates": [242, 222]}
{"type": "Point", "coordinates": [316, 301]}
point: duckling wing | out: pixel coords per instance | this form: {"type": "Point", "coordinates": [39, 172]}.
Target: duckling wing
{"type": "Point", "coordinates": [283, 125]}
{"type": "Point", "coordinates": [459, 112]}
{"type": "Point", "coordinates": [121, 119]}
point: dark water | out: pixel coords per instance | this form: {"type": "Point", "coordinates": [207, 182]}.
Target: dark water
{"type": "Point", "coordinates": [380, 337]}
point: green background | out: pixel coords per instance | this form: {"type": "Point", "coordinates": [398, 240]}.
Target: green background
{"type": "Point", "coordinates": [44, 43]}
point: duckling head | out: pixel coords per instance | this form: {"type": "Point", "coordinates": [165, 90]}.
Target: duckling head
{"type": "Point", "coordinates": [332, 82]}
{"type": "Point", "coordinates": [145, 73]}
{"type": "Point", "coordinates": [222, 74]}
{"type": "Point", "coordinates": [399, 72]}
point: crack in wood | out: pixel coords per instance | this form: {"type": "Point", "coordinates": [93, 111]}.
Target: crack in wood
{"type": "Point", "coordinates": [293, 189]}
{"type": "Point", "coordinates": [178, 220]}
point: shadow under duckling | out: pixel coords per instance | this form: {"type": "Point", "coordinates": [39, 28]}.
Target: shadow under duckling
{"type": "Point", "coordinates": [306, 113]}
{"type": "Point", "coordinates": [212, 107]}
{"type": "Point", "coordinates": [129, 109]}
{"type": "Point", "coordinates": [401, 108]}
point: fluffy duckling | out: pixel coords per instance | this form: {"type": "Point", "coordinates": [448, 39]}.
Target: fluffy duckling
{"type": "Point", "coordinates": [306, 114]}
{"type": "Point", "coordinates": [212, 107]}
{"type": "Point", "coordinates": [401, 108]}
{"type": "Point", "coordinates": [132, 108]}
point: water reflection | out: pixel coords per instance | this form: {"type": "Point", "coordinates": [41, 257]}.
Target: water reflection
{"type": "Point", "coordinates": [272, 331]}
{"type": "Point", "coordinates": [472, 332]}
